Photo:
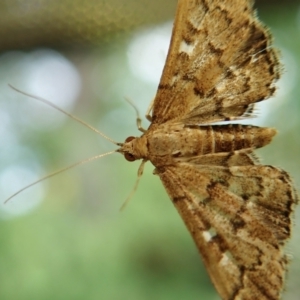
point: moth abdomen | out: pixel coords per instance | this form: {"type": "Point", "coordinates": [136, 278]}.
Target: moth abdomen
{"type": "Point", "coordinates": [166, 144]}
{"type": "Point", "coordinates": [232, 137]}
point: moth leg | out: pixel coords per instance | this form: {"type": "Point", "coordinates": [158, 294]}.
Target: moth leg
{"type": "Point", "coordinates": [140, 173]}
{"type": "Point", "coordinates": [148, 116]}
{"type": "Point", "coordinates": [138, 119]}
{"type": "Point", "coordinates": [139, 124]}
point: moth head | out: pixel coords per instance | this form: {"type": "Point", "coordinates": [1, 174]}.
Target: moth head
{"type": "Point", "coordinates": [127, 149]}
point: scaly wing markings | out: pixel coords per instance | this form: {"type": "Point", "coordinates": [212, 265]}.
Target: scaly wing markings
{"type": "Point", "coordinates": [219, 64]}
{"type": "Point", "coordinates": [239, 218]}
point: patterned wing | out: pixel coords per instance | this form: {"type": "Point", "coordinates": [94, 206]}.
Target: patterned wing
{"type": "Point", "coordinates": [219, 64]}
{"type": "Point", "coordinates": [239, 217]}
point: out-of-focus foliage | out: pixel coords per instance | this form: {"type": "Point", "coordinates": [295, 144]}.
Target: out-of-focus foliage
{"type": "Point", "coordinates": [72, 242]}
{"type": "Point", "coordinates": [59, 23]}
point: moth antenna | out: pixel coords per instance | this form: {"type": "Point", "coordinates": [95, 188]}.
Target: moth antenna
{"type": "Point", "coordinates": [138, 118]}
{"type": "Point", "coordinates": [140, 173]}
{"type": "Point", "coordinates": [66, 113]}
{"type": "Point", "coordinates": [59, 171]}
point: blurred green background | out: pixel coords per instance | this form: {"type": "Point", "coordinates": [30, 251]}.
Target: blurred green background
{"type": "Point", "coordinates": [65, 238]}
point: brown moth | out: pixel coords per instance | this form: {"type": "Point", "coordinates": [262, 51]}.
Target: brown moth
{"type": "Point", "coordinates": [219, 64]}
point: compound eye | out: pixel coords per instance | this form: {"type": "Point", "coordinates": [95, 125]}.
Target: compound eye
{"type": "Point", "coordinates": [129, 139]}
{"type": "Point", "coordinates": [129, 157]}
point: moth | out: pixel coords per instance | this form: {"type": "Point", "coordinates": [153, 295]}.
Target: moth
{"type": "Point", "coordinates": [238, 211]}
